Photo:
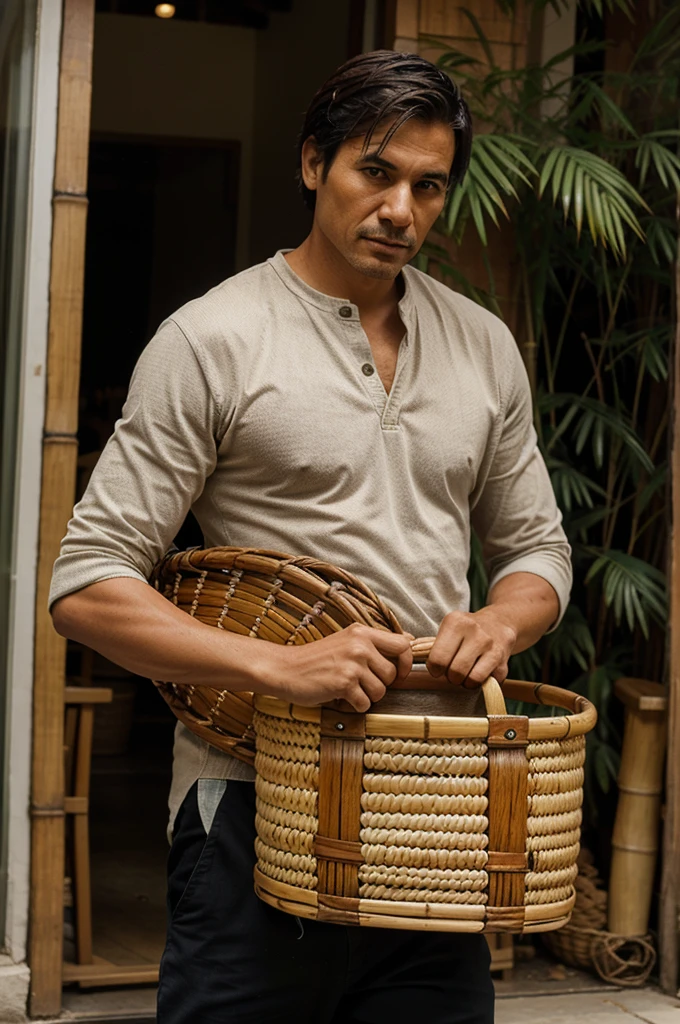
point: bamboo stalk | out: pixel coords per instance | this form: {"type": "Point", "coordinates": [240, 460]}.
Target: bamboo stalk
{"type": "Point", "coordinates": [670, 882]}
{"type": "Point", "coordinates": [636, 827]}
{"type": "Point", "coordinates": [56, 503]}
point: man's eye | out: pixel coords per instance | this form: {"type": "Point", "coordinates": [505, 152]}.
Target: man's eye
{"type": "Point", "coordinates": [374, 172]}
{"type": "Point", "coordinates": [428, 186]}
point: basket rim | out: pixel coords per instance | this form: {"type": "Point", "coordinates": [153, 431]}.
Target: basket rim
{"type": "Point", "coordinates": [557, 727]}
{"type": "Point", "coordinates": [328, 581]}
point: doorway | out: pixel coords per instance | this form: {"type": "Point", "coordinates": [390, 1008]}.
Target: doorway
{"type": "Point", "coordinates": [161, 230]}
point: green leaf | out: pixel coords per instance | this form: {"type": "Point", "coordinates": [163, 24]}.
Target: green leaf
{"type": "Point", "coordinates": [572, 641]}
{"type": "Point", "coordinates": [610, 421]}
{"type": "Point", "coordinates": [548, 167]}
{"type": "Point", "coordinates": [666, 163]}
{"type": "Point", "coordinates": [607, 105]}
{"type": "Point", "coordinates": [495, 160]}
{"type": "Point", "coordinates": [661, 240]}
{"type": "Point", "coordinates": [631, 587]}
{"type": "Point", "coordinates": [476, 210]}
{"type": "Point", "coordinates": [571, 487]}
{"type": "Point", "coordinates": [483, 40]}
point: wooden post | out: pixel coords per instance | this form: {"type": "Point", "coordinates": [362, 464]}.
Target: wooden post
{"type": "Point", "coordinates": [57, 494]}
{"type": "Point", "coordinates": [670, 880]}
{"type": "Point", "coordinates": [636, 829]}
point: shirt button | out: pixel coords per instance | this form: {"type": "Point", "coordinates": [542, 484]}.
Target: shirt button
{"type": "Point", "coordinates": [368, 370]}
{"type": "Point", "coordinates": [345, 312]}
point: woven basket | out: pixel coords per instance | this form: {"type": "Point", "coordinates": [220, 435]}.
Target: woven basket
{"type": "Point", "coordinates": [401, 819]}
{"type": "Point", "coordinates": [263, 594]}
{"type": "Point", "coordinates": [410, 816]}
{"type": "Point", "coordinates": [572, 944]}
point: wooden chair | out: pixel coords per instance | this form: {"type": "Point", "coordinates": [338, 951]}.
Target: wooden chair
{"type": "Point", "coordinates": [80, 701]}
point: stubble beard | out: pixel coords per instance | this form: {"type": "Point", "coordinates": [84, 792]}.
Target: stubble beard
{"type": "Point", "coordinates": [373, 267]}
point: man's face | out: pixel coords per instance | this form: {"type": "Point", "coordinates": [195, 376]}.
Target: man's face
{"type": "Point", "coordinates": [377, 210]}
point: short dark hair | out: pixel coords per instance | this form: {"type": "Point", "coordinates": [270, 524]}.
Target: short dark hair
{"type": "Point", "coordinates": [374, 87]}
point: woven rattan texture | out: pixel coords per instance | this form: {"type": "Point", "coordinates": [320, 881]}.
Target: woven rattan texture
{"type": "Point", "coordinates": [423, 822]}
{"type": "Point", "coordinates": [287, 788]}
{"type": "Point", "coordinates": [555, 795]}
{"type": "Point", "coordinates": [424, 829]}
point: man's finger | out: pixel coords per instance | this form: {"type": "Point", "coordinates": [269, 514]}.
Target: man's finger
{"type": "Point", "coordinates": [391, 644]}
{"type": "Point", "coordinates": [373, 687]}
{"type": "Point", "coordinates": [463, 662]}
{"type": "Point", "coordinates": [384, 668]}
{"type": "Point", "coordinates": [444, 650]}
{"type": "Point", "coordinates": [404, 664]}
{"type": "Point", "coordinates": [487, 665]}
{"type": "Point", "coordinates": [358, 699]}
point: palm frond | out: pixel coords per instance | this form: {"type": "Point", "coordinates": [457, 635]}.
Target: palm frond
{"type": "Point", "coordinates": [608, 109]}
{"type": "Point", "coordinates": [497, 166]}
{"type": "Point", "coordinates": [595, 422]}
{"type": "Point", "coordinates": [481, 35]}
{"type": "Point", "coordinates": [571, 487]}
{"type": "Point", "coordinates": [662, 39]}
{"type": "Point", "coordinates": [572, 641]}
{"type": "Point", "coordinates": [652, 152]}
{"type": "Point", "coordinates": [631, 588]}
{"type": "Point", "coordinates": [583, 181]}
{"type": "Point", "coordinates": [655, 484]}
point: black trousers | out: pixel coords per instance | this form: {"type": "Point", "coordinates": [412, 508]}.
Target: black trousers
{"type": "Point", "coordinates": [232, 959]}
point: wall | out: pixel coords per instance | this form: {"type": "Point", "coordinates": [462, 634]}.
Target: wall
{"type": "Point", "coordinates": [178, 78]}
{"type": "Point", "coordinates": [294, 56]}
{"type": "Point", "coordinates": [526, 35]}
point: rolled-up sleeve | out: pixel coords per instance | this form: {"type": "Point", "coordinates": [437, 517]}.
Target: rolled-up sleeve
{"type": "Point", "coordinates": [514, 511]}
{"type": "Point", "coordinates": [151, 471]}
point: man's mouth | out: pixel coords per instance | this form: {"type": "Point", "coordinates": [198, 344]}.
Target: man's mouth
{"type": "Point", "coordinates": [387, 242]}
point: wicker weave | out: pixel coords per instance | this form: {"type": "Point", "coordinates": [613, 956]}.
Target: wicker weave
{"type": "Point", "coordinates": [586, 943]}
{"type": "Point", "coordinates": [263, 594]}
{"type": "Point", "coordinates": [408, 818]}
{"type": "Point", "coordinates": [423, 828]}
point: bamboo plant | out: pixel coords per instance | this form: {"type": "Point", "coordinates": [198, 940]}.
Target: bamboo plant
{"type": "Point", "coordinates": [589, 190]}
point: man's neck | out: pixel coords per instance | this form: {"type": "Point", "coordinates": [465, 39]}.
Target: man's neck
{"type": "Point", "coordinates": [323, 268]}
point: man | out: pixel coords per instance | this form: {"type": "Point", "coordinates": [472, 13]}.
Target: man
{"type": "Point", "coordinates": [337, 403]}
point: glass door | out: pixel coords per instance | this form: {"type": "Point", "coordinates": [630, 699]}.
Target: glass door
{"type": "Point", "coordinates": [17, 48]}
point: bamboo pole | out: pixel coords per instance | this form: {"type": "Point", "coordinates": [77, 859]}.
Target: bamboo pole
{"type": "Point", "coordinates": [669, 925]}
{"type": "Point", "coordinates": [636, 828]}
{"type": "Point", "coordinates": [56, 503]}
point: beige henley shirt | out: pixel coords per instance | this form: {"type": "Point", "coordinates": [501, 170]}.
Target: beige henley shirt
{"type": "Point", "coordinates": [258, 406]}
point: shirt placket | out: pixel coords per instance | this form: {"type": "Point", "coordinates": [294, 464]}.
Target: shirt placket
{"type": "Point", "coordinates": [363, 357]}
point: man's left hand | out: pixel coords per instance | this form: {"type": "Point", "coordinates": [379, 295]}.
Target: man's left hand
{"type": "Point", "coordinates": [471, 646]}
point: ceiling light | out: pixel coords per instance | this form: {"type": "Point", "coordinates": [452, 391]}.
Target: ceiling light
{"type": "Point", "coordinates": [165, 10]}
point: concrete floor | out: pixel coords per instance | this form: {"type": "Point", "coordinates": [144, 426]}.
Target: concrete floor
{"type": "Point", "coordinates": [578, 999]}
{"type": "Point", "coordinates": [610, 1007]}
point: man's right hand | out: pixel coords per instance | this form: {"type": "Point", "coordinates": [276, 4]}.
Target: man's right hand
{"type": "Point", "coordinates": [356, 665]}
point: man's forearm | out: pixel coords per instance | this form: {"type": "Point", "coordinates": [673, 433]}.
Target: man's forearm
{"type": "Point", "coordinates": [134, 626]}
{"type": "Point", "coordinates": [526, 603]}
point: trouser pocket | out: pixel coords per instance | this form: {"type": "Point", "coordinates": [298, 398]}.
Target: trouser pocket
{"type": "Point", "coordinates": [193, 841]}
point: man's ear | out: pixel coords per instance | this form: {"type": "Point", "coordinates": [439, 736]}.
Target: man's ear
{"type": "Point", "coordinates": [311, 164]}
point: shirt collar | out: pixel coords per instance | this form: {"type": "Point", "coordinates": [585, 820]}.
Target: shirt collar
{"type": "Point", "coordinates": [328, 303]}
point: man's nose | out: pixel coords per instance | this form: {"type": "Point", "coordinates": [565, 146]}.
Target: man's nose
{"type": "Point", "coordinates": [397, 206]}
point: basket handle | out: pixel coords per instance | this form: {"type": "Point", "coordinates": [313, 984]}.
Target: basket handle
{"type": "Point", "coordinates": [492, 692]}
